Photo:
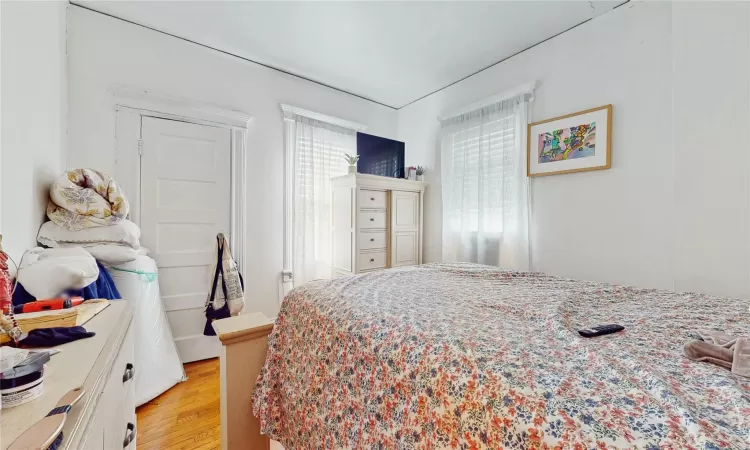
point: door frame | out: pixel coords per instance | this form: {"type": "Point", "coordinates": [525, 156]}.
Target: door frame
{"type": "Point", "coordinates": [131, 104]}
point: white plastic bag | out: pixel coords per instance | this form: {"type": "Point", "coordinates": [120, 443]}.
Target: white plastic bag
{"type": "Point", "coordinates": [157, 362]}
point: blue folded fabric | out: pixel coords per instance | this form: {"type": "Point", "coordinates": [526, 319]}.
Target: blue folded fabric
{"type": "Point", "coordinates": [103, 287]}
{"type": "Point", "coordinates": [50, 337]}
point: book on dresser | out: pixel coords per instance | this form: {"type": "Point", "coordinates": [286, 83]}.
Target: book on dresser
{"type": "Point", "coordinates": [376, 223]}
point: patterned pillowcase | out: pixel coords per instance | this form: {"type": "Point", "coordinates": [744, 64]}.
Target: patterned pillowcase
{"type": "Point", "coordinates": [84, 198]}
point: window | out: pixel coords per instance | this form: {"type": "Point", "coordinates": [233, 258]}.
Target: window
{"type": "Point", "coordinates": [315, 148]}
{"type": "Point", "coordinates": [485, 188]}
{"type": "Point", "coordinates": [483, 169]}
{"type": "Point", "coordinates": [317, 161]}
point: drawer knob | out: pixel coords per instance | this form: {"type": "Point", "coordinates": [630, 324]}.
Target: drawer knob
{"type": "Point", "coordinates": [372, 199]}
{"type": "Point", "coordinates": [129, 435]}
{"type": "Point", "coordinates": [372, 239]}
{"type": "Point", "coordinates": [372, 259]}
{"type": "Point", "coordinates": [129, 372]}
{"type": "Point", "coordinates": [372, 219]}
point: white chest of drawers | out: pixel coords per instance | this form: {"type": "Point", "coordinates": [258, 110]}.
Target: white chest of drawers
{"type": "Point", "coordinates": [376, 223]}
{"type": "Point", "coordinates": [104, 418]}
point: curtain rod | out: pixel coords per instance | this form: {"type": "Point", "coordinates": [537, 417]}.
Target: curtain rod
{"type": "Point", "coordinates": [291, 111]}
{"type": "Point", "coordinates": [527, 88]}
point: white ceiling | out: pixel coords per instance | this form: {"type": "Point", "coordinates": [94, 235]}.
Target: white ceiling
{"type": "Point", "coordinates": [390, 52]}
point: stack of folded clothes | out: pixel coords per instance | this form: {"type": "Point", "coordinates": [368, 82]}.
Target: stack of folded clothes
{"type": "Point", "coordinates": [88, 209]}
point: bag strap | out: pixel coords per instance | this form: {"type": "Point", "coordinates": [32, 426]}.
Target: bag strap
{"type": "Point", "coordinates": [222, 312]}
{"type": "Point", "coordinates": [217, 272]}
{"type": "Point", "coordinates": [223, 281]}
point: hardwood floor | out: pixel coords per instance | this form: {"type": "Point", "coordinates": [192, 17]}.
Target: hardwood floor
{"type": "Point", "coordinates": [187, 416]}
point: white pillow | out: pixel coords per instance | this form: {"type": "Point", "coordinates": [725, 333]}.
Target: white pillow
{"type": "Point", "coordinates": [46, 273]}
{"type": "Point", "coordinates": [123, 232]}
{"type": "Point", "coordinates": [114, 254]}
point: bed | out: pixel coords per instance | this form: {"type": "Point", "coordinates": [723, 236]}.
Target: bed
{"type": "Point", "coordinates": [469, 356]}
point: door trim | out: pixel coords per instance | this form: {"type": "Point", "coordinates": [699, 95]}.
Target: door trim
{"type": "Point", "coordinates": [171, 107]}
{"type": "Point", "coordinates": [131, 105]}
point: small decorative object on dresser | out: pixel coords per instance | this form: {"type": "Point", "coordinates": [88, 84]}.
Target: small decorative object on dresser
{"type": "Point", "coordinates": [377, 223]}
{"type": "Point", "coordinates": [575, 142]}
{"type": "Point", "coordinates": [352, 160]}
{"type": "Point", "coordinates": [420, 173]}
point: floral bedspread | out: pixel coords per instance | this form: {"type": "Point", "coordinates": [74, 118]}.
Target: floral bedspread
{"type": "Point", "coordinates": [467, 356]}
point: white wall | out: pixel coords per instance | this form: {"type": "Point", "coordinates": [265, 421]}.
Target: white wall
{"type": "Point", "coordinates": [105, 51]}
{"type": "Point", "coordinates": [711, 57]}
{"type": "Point", "coordinates": [674, 210]}
{"type": "Point", "coordinates": [33, 115]}
{"type": "Point", "coordinates": [668, 214]}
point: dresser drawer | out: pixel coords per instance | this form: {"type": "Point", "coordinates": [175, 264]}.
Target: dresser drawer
{"type": "Point", "coordinates": [372, 219]}
{"type": "Point", "coordinates": [127, 430]}
{"type": "Point", "coordinates": [372, 199]}
{"type": "Point", "coordinates": [372, 260]}
{"type": "Point", "coordinates": [372, 239]}
{"type": "Point", "coordinates": [117, 403]}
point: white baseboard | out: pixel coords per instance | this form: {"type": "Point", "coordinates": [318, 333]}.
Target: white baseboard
{"type": "Point", "coordinates": [197, 347]}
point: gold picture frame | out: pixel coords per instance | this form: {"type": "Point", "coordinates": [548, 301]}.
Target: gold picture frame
{"type": "Point", "coordinates": [546, 133]}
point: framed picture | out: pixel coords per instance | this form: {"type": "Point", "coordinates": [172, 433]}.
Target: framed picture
{"type": "Point", "coordinates": [573, 143]}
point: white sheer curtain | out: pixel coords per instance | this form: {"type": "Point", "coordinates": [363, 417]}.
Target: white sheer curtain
{"type": "Point", "coordinates": [485, 187]}
{"type": "Point", "coordinates": [316, 155]}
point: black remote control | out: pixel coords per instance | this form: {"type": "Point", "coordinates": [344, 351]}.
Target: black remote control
{"type": "Point", "coordinates": [600, 330]}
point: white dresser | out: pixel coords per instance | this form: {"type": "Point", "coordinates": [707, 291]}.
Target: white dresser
{"type": "Point", "coordinates": [376, 223]}
{"type": "Point", "coordinates": [104, 418]}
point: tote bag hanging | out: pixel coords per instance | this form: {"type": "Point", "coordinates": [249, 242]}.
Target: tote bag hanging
{"type": "Point", "coordinates": [226, 297]}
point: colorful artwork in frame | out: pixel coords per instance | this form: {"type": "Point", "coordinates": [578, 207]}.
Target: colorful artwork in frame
{"type": "Point", "coordinates": [572, 143]}
{"type": "Point", "coordinates": [568, 143]}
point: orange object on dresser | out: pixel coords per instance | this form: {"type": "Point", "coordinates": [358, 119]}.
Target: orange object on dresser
{"type": "Point", "coordinates": [48, 305]}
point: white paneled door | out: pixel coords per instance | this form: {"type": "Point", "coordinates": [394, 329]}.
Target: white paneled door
{"type": "Point", "coordinates": [404, 228]}
{"type": "Point", "coordinates": [185, 202]}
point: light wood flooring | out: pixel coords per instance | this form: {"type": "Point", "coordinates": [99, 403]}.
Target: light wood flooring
{"type": "Point", "coordinates": [187, 416]}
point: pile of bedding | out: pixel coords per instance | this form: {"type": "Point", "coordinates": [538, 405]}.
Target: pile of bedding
{"type": "Point", "coordinates": [85, 198]}
{"type": "Point", "coordinates": [112, 244]}
{"type": "Point", "coordinates": [48, 273]}
{"type": "Point", "coordinates": [88, 220]}
{"type": "Point", "coordinates": [88, 209]}
{"type": "Point", "coordinates": [87, 230]}
{"type": "Point", "coordinates": [468, 356]}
